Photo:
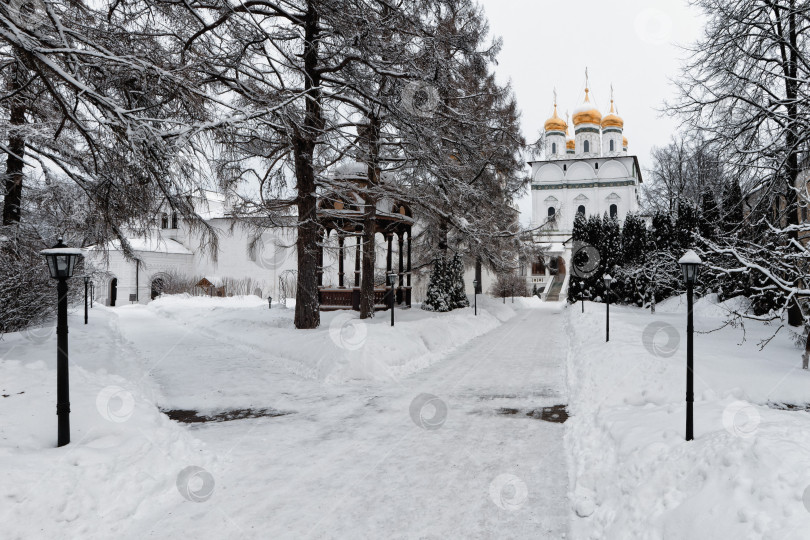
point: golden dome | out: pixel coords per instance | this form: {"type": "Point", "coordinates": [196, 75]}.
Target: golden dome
{"type": "Point", "coordinates": [587, 113]}
{"type": "Point", "coordinates": [624, 142]}
{"type": "Point", "coordinates": [555, 123]}
{"type": "Point", "coordinates": [612, 119]}
{"type": "Point", "coordinates": [570, 144]}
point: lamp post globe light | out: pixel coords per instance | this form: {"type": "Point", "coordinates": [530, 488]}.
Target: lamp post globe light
{"type": "Point", "coordinates": [690, 266]}
{"type": "Point", "coordinates": [608, 279]}
{"type": "Point", "coordinates": [475, 295]}
{"type": "Point", "coordinates": [269, 302]}
{"type": "Point", "coordinates": [61, 262]}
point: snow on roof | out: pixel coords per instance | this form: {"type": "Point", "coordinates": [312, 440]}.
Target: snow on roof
{"type": "Point", "coordinates": [215, 281]}
{"type": "Point", "coordinates": [150, 245]}
{"type": "Point", "coordinates": [211, 205]}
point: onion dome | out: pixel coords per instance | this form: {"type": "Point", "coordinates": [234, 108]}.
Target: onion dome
{"type": "Point", "coordinates": [555, 123]}
{"type": "Point", "coordinates": [612, 119]}
{"type": "Point", "coordinates": [624, 142]}
{"type": "Point", "coordinates": [587, 113]}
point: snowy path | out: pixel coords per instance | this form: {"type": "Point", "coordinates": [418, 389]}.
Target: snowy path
{"type": "Point", "coordinates": [351, 461]}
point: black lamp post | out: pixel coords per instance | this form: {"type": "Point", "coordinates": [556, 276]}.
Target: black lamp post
{"type": "Point", "coordinates": [475, 296]}
{"type": "Point", "coordinates": [269, 302]}
{"type": "Point", "coordinates": [690, 265]}
{"type": "Point", "coordinates": [61, 261]}
{"type": "Point", "coordinates": [608, 278]}
{"type": "Point", "coordinates": [86, 283]}
{"type": "Point", "coordinates": [391, 280]}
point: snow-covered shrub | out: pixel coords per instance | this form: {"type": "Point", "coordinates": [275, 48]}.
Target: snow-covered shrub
{"type": "Point", "coordinates": [437, 297]}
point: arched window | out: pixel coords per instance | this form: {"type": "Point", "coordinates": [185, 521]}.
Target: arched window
{"type": "Point", "coordinates": [164, 221]}
{"type": "Point", "coordinates": [551, 212]}
{"type": "Point", "coordinates": [611, 145]}
{"type": "Point", "coordinates": [174, 220]}
{"type": "Point", "coordinates": [565, 168]}
{"type": "Point", "coordinates": [554, 148]}
{"type": "Point", "coordinates": [581, 209]}
{"type": "Point", "coordinates": [586, 146]}
{"type": "Point", "coordinates": [614, 210]}
{"type": "Point", "coordinates": [596, 166]}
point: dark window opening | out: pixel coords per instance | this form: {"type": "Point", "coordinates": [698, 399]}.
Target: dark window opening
{"type": "Point", "coordinates": [581, 209]}
{"type": "Point", "coordinates": [611, 145]}
{"type": "Point", "coordinates": [174, 220]}
{"type": "Point", "coordinates": [554, 148]}
{"type": "Point", "coordinates": [614, 210]}
{"type": "Point", "coordinates": [164, 221]}
{"type": "Point", "coordinates": [586, 147]}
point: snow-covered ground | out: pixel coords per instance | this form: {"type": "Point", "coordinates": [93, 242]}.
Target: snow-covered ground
{"type": "Point", "coordinates": [746, 474]}
{"type": "Point", "coordinates": [437, 428]}
{"type": "Point", "coordinates": [426, 430]}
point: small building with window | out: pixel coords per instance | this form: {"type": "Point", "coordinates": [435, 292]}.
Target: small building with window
{"type": "Point", "coordinates": [595, 175]}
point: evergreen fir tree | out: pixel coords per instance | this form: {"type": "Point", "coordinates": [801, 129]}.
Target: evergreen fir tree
{"type": "Point", "coordinates": [686, 224]}
{"type": "Point", "coordinates": [611, 243]}
{"type": "Point", "coordinates": [437, 297]}
{"type": "Point", "coordinates": [661, 234]}
{"type": "Point", "coordinates": [455, 274]}
{"type": "Point", "coordinates": [634, 238]}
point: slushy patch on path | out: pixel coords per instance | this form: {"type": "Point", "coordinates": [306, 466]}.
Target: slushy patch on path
{"type": "Point", "coordinates": [188, 416]}
{"type": "Point", "coordinates": [556, 413]}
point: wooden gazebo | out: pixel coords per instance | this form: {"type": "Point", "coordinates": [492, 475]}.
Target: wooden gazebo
{"type": "Point", "coordinates": [343, 214]}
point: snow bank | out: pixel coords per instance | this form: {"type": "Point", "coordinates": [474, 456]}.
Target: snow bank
{"type": "Point", "coordinates": [746, 474]}
{"type": "Point", "coordinates": [123, 462]}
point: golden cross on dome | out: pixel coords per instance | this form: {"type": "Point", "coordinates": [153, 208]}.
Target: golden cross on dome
{"type": "Point", "coordinates": [555, 96]}
{"type": "Point", "coordinates": [586, 79]}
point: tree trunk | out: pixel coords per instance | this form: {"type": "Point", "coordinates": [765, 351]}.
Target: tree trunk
{"type": "Point", "coordinates": [307, 307]}
{"type": "Point", "coordinates": [13, 184]}
{"type": "Point", "coordinates": [370, 137]}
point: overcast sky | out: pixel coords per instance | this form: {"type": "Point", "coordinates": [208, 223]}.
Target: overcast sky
{"type": "Point", "coordinates": [632, 44]}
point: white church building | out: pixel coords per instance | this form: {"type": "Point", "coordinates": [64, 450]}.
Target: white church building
{"type": "Point", "coordinates": [591, 173]}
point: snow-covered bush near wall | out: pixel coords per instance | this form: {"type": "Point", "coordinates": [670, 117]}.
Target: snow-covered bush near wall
{"type": "Point", "coordinates": [746, 474]}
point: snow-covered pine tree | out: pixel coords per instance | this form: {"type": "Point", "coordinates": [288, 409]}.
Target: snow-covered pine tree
{"type": "Point", "coordinates": [438, 297]}
{"type": "Point", "coordinates": [634, 238]}
{"type": "Point", "coordinates": [455, 272]}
